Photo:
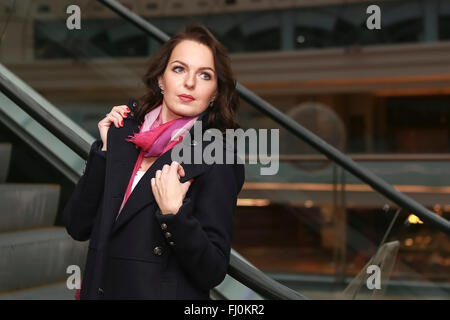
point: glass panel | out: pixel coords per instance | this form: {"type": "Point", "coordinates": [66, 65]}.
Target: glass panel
{"type": "Point", "coordinates": [316, 228]}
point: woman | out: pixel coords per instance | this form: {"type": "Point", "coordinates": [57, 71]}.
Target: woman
{"type": "Point", "coordinates": [160, 229]}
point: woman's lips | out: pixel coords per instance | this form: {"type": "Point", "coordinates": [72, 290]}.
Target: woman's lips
{"type": "Point", "coordinates": [185, 98]}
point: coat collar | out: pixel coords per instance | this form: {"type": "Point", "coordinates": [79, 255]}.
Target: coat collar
{"type": "Point", "coordinates": [123, 156]}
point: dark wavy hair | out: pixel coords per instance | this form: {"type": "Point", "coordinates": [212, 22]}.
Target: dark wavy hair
{"type": "Point", "coordinates": [222, 113]}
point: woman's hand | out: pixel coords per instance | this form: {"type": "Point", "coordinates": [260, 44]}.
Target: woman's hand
{"type": "Point", "coordinates": [169, 192]}
{"type": "Point", "coordinates": [117, 114]}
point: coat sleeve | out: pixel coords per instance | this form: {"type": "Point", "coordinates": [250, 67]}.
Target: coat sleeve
{"type": "Point", "coordinates": [80, 211]}
{"type": "Point", "coordinates": [201, 232]}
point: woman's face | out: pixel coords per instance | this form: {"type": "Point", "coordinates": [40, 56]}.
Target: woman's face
{"type": "Point", "coordinates": [189, 81]}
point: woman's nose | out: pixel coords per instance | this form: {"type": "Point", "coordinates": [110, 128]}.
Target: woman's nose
{"type": "Point", "coordinates": [190, 81]}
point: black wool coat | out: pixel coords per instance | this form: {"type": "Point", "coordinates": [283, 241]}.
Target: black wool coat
{"type": "Point", "coordinates": [145, 254]}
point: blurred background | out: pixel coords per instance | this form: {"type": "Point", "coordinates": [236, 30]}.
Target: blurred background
{"type": "Point", "coordinates": [380, 96]}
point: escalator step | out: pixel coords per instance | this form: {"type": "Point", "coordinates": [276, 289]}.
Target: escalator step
{"type": "Point", "coordinates": [37, 257]}
{"type": "Point", "coordinates": [26, 206]}
{"type": "Point", "coordinates": [53, 291]}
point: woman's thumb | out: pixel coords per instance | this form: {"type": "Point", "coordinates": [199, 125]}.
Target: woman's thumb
{"type": "Point", "coordinates": [187, 184]}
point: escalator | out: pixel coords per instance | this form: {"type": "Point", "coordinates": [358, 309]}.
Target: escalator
{"type": "Point", "coordinates": [43, 155]}
{"type": "Point", "coordinates": [34, 251]}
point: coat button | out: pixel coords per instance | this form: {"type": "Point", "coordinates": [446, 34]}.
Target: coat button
{"type": "Point", "coordinates": [158, 251]}
{"type": "Point", "coordinates": [167, 234]}
{"type": "Point", "coordinates": [193, 143]}
{"type": "Point", "coordinates": [100, 291]}
{"type": "Point", "coordinates": [164, 226]}
{"type": "Point", "coordinates": [172, 243]}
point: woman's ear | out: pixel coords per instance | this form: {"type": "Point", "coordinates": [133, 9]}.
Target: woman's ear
{"type": "Point", "coordinates": [214, 96]}
{"type": "Point", "coordinates": [160, 85]}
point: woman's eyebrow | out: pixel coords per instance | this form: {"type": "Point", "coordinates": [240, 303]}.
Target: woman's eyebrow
{"type": "Point", "coordinates": [188, 66]}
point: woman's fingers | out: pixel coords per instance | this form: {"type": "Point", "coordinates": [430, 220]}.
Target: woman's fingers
{"type": "Point", "coordinates": [112, 118]}
{"type": "Point", "coordinates": [116, 115]}
{"type": "Point", "coordinates": [179, 168]}
{"type": "Point", "coordinates": [186, 185]}
{"type": "Point", "coordinates": [165, 169]}
{"type": "Point", "coordinates": [122, 111]}
{"type": "Point", "coordinates": [157, 180]}
{"type": "Point", "coordinates": [154, 187]}
{"type": "Point", "coordinates": [176, 168]}
{"type": "Point", "coordinates": [118, 119]}
{"type": "Point", "coordinates": [169, 192]}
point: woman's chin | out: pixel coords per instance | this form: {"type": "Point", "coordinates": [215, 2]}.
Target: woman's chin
{"type": "Point", "coordinates": [183, 112]}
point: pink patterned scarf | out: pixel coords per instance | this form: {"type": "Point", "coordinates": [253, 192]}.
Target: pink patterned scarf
{"type": "Point", "coordinates": [154, 137]}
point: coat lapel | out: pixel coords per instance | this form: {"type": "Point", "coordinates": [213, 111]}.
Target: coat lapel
{"type": "Point", "coordinates": [142, 194]}
{"type": "Point", "coordinates": [122, 156]}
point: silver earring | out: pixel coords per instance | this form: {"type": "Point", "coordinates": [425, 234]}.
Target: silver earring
{"type": "Point", "coordinates": [211, 104]}
{"type": "Point", "coordinates": [162, 91]}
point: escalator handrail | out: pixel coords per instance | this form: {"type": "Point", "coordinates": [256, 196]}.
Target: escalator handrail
{"type": "Point", "coordinates": [16, 91]}
{"type": "Point", "coordinates": [295, 128]}
{"type": "Point", "coordinates": [257, 280]}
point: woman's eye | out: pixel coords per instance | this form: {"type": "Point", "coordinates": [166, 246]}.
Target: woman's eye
{"type": "Point", "coordinates": [177, 68]}
{"type": "Point", "coordinates": [206, 76]}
